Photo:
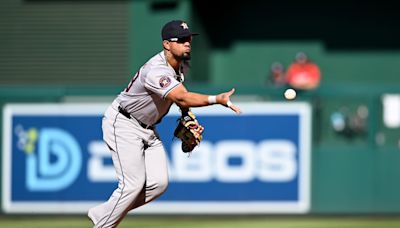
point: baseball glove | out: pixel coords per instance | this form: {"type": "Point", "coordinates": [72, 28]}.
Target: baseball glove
{"type": "Point", "coordinates": [189, 131]}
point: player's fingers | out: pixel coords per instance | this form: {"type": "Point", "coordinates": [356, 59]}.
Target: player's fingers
{"type": "Point", "coordinates": [226, 95]}
{"type": "Point", "coordinates": [234, 107]}
{"type": "Point", "coordinates": [231, 92]}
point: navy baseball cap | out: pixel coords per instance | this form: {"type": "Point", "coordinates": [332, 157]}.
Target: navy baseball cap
{"type": "Point", "coordinates": [176, 29]}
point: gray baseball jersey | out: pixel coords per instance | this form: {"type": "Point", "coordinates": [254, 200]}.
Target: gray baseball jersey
{"type": "Point", "coordinates": [137, 152]}
{"type": "Point", "coordinates": [144, 98]}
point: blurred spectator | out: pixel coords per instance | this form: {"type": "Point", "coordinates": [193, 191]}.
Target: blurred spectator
{"type": "Point", "coordinates": [277, 75]}
{"type": "Point", "coordinates": [303, 74]}
{"type": "Point", "coordinates": [350, 124]}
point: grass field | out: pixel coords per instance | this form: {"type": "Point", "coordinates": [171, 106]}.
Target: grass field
{"type": "Point", "coordinates": [205, 222]}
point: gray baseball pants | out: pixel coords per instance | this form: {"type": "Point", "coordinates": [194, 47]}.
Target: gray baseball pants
{"type": "Point", "coordinates": [140, 162]}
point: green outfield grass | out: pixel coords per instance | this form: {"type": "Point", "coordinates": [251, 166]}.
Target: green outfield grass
{"type": "Point", "coordinates": [205, 222]}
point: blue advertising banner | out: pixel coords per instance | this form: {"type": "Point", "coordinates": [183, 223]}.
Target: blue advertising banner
{"type": "Point", "coordinates": [54, 160]}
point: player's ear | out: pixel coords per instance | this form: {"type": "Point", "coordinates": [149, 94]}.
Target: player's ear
{"type": "Point", "coordinates": [166, 44]}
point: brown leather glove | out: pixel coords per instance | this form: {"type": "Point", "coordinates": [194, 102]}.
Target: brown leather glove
{"type": "Point", "coordinates": [189, 131]}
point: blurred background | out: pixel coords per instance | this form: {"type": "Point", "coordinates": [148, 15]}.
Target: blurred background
{"type": "Point", "coordinates": [88, 50]}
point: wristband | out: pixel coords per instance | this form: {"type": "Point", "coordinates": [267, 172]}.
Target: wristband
{"type": "Point", "coordinates": [212, 99]}
{"type": "Point", "coordinates": [229, 104]}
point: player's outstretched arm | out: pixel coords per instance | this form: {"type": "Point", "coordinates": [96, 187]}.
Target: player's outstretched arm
{"type": "Point", "coordinates": [184, 98]}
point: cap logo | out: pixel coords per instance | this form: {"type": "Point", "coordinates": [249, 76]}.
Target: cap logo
{"type": "Point", "coordinates": [184, 25]}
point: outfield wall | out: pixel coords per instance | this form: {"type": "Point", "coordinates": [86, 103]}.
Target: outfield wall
{"type": "Point", "coordinates": [348, 174]}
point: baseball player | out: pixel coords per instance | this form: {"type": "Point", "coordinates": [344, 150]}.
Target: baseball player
{"type": "Point", "coordinates": [129, 123]}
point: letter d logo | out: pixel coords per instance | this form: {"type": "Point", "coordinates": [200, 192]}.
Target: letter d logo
{"type": "Point", "coordinates": [57, 163]}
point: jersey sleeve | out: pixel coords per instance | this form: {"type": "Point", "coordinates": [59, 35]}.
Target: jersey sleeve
{"type": "Point", "coordinates": [161, 81]}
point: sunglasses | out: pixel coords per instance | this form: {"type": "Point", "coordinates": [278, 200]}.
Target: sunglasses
{"type": "Point", "coordinates": [181, 40]}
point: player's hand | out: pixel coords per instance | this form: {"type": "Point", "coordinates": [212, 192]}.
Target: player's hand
{"type": "Point", "coordinates": [225, 99]}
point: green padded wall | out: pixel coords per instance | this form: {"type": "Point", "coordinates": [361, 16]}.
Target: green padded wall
{"type": "Point", "coordinates": [63, 42]}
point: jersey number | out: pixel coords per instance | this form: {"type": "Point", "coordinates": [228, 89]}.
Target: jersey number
{"type": "Point", "coordinates": [132, 81]}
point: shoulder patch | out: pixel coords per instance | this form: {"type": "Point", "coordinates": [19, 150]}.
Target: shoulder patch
{"type": "Point", "coordinates": [165, 81]}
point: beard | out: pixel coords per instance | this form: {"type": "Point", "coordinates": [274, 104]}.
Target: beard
{"type": "Point", "coordinates": [185, 56]}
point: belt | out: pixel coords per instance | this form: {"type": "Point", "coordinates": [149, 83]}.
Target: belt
{"type": "Point", "coordinates": [127, 115]}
